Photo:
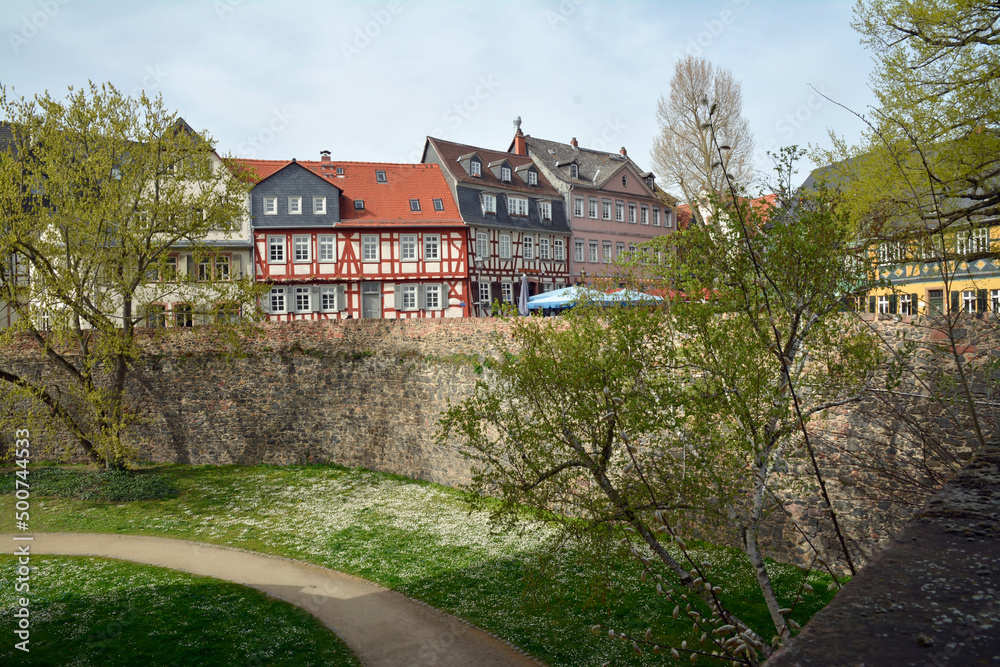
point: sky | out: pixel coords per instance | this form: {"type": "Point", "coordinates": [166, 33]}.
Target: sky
{"type": "Point", "coordinates": [369, 81]}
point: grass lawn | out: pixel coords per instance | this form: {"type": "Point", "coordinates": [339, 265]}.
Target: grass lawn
{"type": "Point", "coordinates": [421, 540]}
{"type": "Point", "coordinates": [95, 611]}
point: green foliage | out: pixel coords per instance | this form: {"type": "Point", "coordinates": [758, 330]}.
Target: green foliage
{"type": "Point", "coordinates": [96, 190]}
{"type": "Point", "coordinates": [109, 485]}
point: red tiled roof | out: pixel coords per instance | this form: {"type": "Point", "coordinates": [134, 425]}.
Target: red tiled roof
{"type": "Point", "coordinates": [449, 152]}
{"type": "Point", "coordinates": [257, 170]}
{"type": "Point", "coordinates": [385, 203]}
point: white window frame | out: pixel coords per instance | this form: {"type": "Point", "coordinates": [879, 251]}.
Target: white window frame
{"type": "Point", "coordinates": [328, 298]}
{"type": "Point", "coordinates": [438, 204]}
{"type": "Point", "coordinates": [594, 251]}
{"type": "Point", "coordinates": [489, 203]}
{"type": "Point", "coordinates": [606, 252]}
{"type": "Point", "coordinates": [644, 215]}
{"type": "Point", "coordinates": [276, 300]}
{"type": "Point", "coordinates": [619, 211]}
{"type": "Point", "coordinates": [668, 219]}
{"type": "Point", "coordinates": [505, 246]}
{"type": "Point", "coordinates": [432, 247]}
{"type": "Point", "coordinates": [270, 206]}
{"type": "Point", "coordinates": [577, 207]}
{"type": "Point", "coordinates": [370, 247]}
{"type": "Point", "coordinates": [359, 204]}
{"type": "Point", "coordinates": [319, 205]}
{"type": "Point", "coordinates": [223, 267]}
{"type": "Point", "coordinates": [543, 248]}
{"type": "Point", "coordinates": [380, 176]}
{"type": "Point", "coordinates": [275, 249]}
{"type": "Point", "coordinates": [532, 178]}
{"type": "Point", "coordinates": [476, 168]}
{"type": "Point", "coordinates": [517, 206]}
{"type": "Point", "coordinates": [631, 213]}
{"type": "Point", "coordinates": [300, 248]}
{"type": "Point", "coordinates": [295, 205]}
{"type": "Point", "coordinates": [408, 248]}
{"type": "Point", "coordinates": [882, 305]}
{"type": "Point", "coordinates": [407, 298]}
{"type": "Point", "coordinates": [507, 292]}
{"type": "Point", "coordinates": [482, 244]}
{"type": "Point", "coordinates": [303, 299]}
{"type": "Point", "coordinates": [327, 247]}
{"type": "Point", "coordinates": [559, 250]}
{"type": "Point", "coordinates": [606, 209]}
{"type": "Point", "coordinates": [995, 301]}
{"type": "Point", "coordinates": [505, 174]}
{"type": "Point", "coordinates": [435, 289]}
{"type": "Point", "coordinates": [656, 217]}
{"type": "Point", "coordinates": [906, 307]}
{"type": "Point", "coordinates": [578, 247]}
{"type": "Point", "coordinates": [619, 248]}
{"type": "Point", "coordinates": [969, 301]}
{"type": "Point", "coordinates": [574, 172]}
{"type": "Point", "coordinates": [485, 294]}
{"type": "Point", "coordinates": [592, 208]}
{"type": "Point", "coordinates": [528, 246]}
{"type": "Point", "coordinates": [415, 206]}
{"type": "Point", "coordinates": [545, 210]}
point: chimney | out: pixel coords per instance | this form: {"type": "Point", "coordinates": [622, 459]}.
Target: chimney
{"type": "Point", "coordinates": [624, 152]}
{"type": "Point", "coordinates": [520, 146]}
{"type": "Point", "coordinates": [324, 156]}
{"type": "Point", "coordinates": [572, 142]}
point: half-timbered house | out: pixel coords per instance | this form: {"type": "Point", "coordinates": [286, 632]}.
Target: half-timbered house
{"type": "Point", "coordinates": [358, 239]}
{"type": "Point", "coordinates": [516, 221]}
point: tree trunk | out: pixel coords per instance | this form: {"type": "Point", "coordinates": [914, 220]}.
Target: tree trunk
{"type": "Point", "coordinates": [763, 579]}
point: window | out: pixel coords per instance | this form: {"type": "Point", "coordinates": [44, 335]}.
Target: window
{"type": "Point", "coordinates": [545, 210]}
{"type": "Point", "coordinates": [294, 205]}
{"type": "Point", "coordinates": [300, 248]}
{"type": "Point", "coordinates": [482, 244]}
{"type": "Point", "coordinates": [578, 251]}
{"type": "Point", "coordinates": [183, 315]}
{"type": "Point", "coordinates": [593, 251]}
{"type": "Point", "coordinates": [574, 172]}
{"type": "Point", "coordinates": [408, 247]}
{"type": "Point", "coordinates": [969, 301]}
{"type": "Point", "coordinates": [528, 247]}
{"type": "Point", "coordinates": [476, 168]}
{"type": "Point", "coordinates": [532, 178]}
{"type": "Point", "coordinates": [559, 250]}
{"type": "Point", "coordinates": [505, 246]}
{"type": "Point", "coordinates": [407, 297]}
{"type": "Point", "coordinates": [222, 267]}
{"type": "Point", "coordinates": [656, 217]}
{"type": "Point", "coordinates": [205, 269]}
{"type": "Point", "coordinates": [438, 204]}
{"type": "Point", "coordinates": [631, 213]}
{"type": "Point", "coordinates": [995, 301]}
{"type": "Point", "coordinates": [303, 302]}
{"type": "Point", "coordinates": [668, 218]}
{"type": "Point", "coordinates": [380, 176]}
{"type": "Point", "coordinates": [971, 242]}
{"type": "Point", "coordinates": [625, 180]}
{"type": "Point", "coordinates": [414, 204]}
{"type": "Point", "coordinates": [359, 204]}
{"type": "Point", "coordinates": [907, 304]}
{"type": "Point", "coordinates": [507, 292]}
{"type": "Point", "coordinates": [882, 305]}
{"type": "Point", "coordinates": [619, 249]}
{"type": "Point", "coordinates": [432, 247]}
{"type": "Point", "coordinates": [606, 256]}
{"type": "Point", "coordinates": [369, 247]}
{"type": "Point", "coordinates": [171, 268]}
{"type": "Point", "coordinates": [277, 297]}
{"type": "Point", "coordinates": [631, 248]}
{"type": "Point", "coordinates": [275, 249]}
{"type": "Point", "coordinates": [644, 215]}
{"type": "Point", "coordinates": [328, 297]}
{"type": "Point", "coordinates": [327, 248]}
{"type": "Point", "coordinates": [156, 315]}
{"type": "Point", "coordinates": [935, 300]}
{"type": "Point", "coordinates": [270, 206]}
{"type": "Point", "coordinates": [319, 205]}
{"type": "Point", "coordinates": [619, 212]}
{"type": "Point", "coordinates": [432, 297]}
{"type": "Point", "coordinates": [484, 294]}
{"type": "Point", "coordinates": [543, 248]}
{"type": "Point", "coordinates": [489, 204]}
{"type": "Point", "coordinates": [592, 208]}
{"type": "Point", "coordinates": [578, 207]}
{"type": "Point", "coordinates": [517, 206]}
{"type": "Point", "coordinates": [340, 171]}
{"type": "Point", "coordinates": [505, 174]}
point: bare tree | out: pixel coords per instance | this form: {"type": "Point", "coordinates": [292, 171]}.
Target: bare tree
{"type": "Point", "coordinates": [683, 153]}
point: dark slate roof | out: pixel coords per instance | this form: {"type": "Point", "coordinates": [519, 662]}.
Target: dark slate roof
{"type": "Point", "coordinates": [451, 153]}
{"type": "Point", "coordinates": [595, 167]}
{"type": "Point", "coordinates": [470, 207]}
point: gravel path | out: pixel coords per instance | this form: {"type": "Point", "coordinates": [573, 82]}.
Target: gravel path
{"type": "Point", "coordinates": [381, 626]}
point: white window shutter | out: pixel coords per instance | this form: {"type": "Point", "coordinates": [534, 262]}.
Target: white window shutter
{"type": "Point", "coordinates": [397, 290]}
{"type": "Point", "coordinates": [237, 267]}
{"type": "Point", "coordinates": [314, 301]}
{"type": "Point", "coordinates": [289, 299]}
{"type": "Point", "coordinates": [341, 298]}
{"type": "Point", "coordinates": [265, 303]}
{"type": "Point", "coordinates": [422, 297]}
{"type": "Point", "coordinates": [442, 296]}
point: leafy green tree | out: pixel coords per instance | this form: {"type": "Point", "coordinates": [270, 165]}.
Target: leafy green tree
{"type": "Point", "coordinates": [95, 191]}
{"type": "Point", "coordinates": [646, 417]}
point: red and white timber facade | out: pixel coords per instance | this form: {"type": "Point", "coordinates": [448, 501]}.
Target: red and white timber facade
{"type": "Point", "coordinates": [339, 240]}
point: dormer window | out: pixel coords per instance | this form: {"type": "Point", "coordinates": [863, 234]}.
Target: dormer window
{"type": "Point", "coordinates": [414, 204]}
{"type": "Point", "coordinates": [574, 172]}
{"type": "Point", "coordinates": [532, 178]}
{"type": "Point", "coordinates": [340, 171]}
{"type": "Point", "coordinates": [359, 204]}
{"type": "Point", "coordinates": [476, 168]}
{"type": "Point", "coordinates": [649, 182]}
{"type": "Point", "coordinates": [505, 174]}
{"type": "Point", "coordinates": [438, 204]}
{"type": "Point", "coordinates": [489, 204]}
{"type": "Point", "coordinates": [380, 176]}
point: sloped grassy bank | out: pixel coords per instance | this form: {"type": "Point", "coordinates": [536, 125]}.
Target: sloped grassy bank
{"type": "Point", "coordinates": [422, 540]}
